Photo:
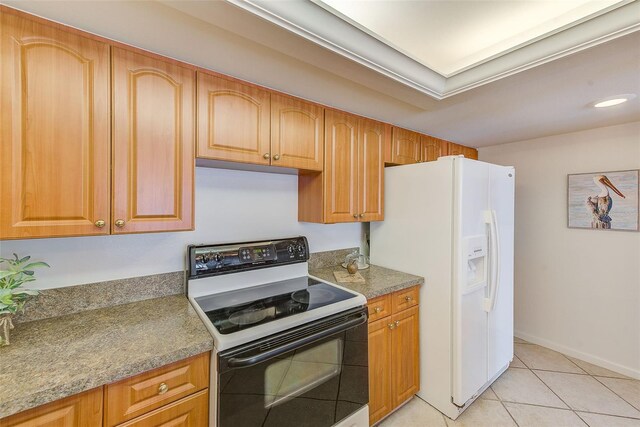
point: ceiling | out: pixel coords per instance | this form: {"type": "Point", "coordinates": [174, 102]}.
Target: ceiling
{"type": "Point", "coordinates": [452, 36]}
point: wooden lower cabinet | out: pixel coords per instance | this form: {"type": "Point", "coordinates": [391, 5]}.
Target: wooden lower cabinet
{"type": "Point", "coordinates": [404, 355]}
{"type": "Point", "coordinates": [172, 395]}
{"type": "Point", "coordinates": [79, 410]}
{"type": "Point", "coordinates": [138, 395]}
{"type": "Point", "coordinates": [191, 411]}
{"type": "Point", "coordinates": [394, 364]}
{"type": "Point", "coordinates": [380, 367]}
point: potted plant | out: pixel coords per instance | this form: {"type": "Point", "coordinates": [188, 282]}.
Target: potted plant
{"type": "Point", "coordinates": [12, 297]}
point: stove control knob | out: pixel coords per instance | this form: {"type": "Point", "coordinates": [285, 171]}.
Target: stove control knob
{"type": "Point", "coordinates": [218, 257]}
{"type": "Point", "coordinates": [300, 248]}
{"type": "Point", "coordinates": [290, 249]}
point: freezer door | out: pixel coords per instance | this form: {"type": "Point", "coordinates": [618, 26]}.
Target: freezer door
{"type": "Point", "coordinates": [500, 330]}
{"type": "Point", "coordinates": [469, 290]}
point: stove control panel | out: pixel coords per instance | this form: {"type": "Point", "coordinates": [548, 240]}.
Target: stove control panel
{"type": "Point", "coordinates": [207, 260]}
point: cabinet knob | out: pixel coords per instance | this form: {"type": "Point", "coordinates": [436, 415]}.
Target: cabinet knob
{"type": "Point", "coordinates": [361, 215]}
{"type": "Point", "coordinates": [266, 156]}
{"type": "Point", "coordinates": [276, 157]}
{"type": "Point", "coordinates": [355, 215]}
{"type": "Point", "coordinates": [397, 323]}
{"type": "Point", "coordinates": [408, 298]}
{"type": "Point", "coordinates": [392, 326]}
{"type": "Point", "coordinates": [163, 388]}
{"type": "Point", "coordinates": [119, 223]}
{"type": "Point", "coordinates": [377, 309]}
{"type": "Point", "coordinates": [99, 223]}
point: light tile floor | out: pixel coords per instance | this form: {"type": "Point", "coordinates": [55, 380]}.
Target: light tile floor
{"type": "Point", "coordinates": [541, 388]}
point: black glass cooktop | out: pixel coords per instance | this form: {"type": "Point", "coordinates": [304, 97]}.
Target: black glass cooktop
{"type": "Point", "coordinates": [238, 310]}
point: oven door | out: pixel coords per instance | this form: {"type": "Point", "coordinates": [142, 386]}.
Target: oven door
{"type": "Point", "coordinates": [314, 375]}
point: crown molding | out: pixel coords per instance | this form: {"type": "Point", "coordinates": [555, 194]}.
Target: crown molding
{"type": "Point", "coordinates": [315, 23]}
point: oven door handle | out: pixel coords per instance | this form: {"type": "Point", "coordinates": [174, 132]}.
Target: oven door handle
{"type": "Point", "coordinates": [240, 362]}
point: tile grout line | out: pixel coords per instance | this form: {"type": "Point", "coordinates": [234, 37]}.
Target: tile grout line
{"type": "Point", "coordinates": [547, 385]}
{"type": "Point", "coordinates": [612, 391]}
{"type": "Point", "coordinates": [511, 415]}
{"type": "Point", "coordinates": [607, 387]}
{"type": "Point", "coordinates": [583, 420]}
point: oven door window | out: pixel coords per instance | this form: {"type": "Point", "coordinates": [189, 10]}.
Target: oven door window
{"type": "Point", "coordinates": [316, 385]}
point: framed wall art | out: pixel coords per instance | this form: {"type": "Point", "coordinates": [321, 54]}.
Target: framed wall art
{"type": "Point", "coordinates": [603, 200]}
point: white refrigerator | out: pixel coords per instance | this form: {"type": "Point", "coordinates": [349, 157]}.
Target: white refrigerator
{"type": "Point", "coordinates": [451, 221]}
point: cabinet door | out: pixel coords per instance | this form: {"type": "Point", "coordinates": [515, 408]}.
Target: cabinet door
{"type": "Point", "coordinates": [431, 148]}
{"type": "Point", "coordinates": [456, 149]}
{"type": "Point", "coordinates": [380, 369]}
{"type": "Point", "coordinates": [372, 137]}
{"type": "Point", "coordinates": [405, 146]}
{"type": "Point", "coordinates": [233, 121]}
{"type": "Point", "coordinates": [79, 410]}
{"type": "Point", "coordinates": [297, 138]}
{"type": "Point", "coordinates": [341, 167]}
{"type": "Point", "coordinates": [153, 144]}
{"type": "Point", "coordinates": [54, 131]}
{"type": "Point", "coordinates": [405, 355]}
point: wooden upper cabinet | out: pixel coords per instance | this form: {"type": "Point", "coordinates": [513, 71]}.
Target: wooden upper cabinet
{"type": "Point", "coordinates": [431, 148]}
{"type": "Point", "coordinates": [153, 144]}
{"type": "Point", "coordinates": [454, 149]}
{"type": "Point", "coordinates": [54, 131]}
{"type": "Point", "coordinates": [297, 133]}
{"type": "Point", "coordinates": [79, 410]}
{"type": "Point", "coordinates": [372, 137]}
{"type": "Point", "coordinates": [405, 146]}
{"type": "Point", "coordinates": [341, 167]}
{"type": "Point", "coordinates": [233, 121]}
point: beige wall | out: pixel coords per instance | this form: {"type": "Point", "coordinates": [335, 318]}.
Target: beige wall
{"type": "Point", "coordinates": [577, 291]}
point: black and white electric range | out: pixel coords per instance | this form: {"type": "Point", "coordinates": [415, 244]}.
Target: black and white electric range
{"type": "Point", "coordinates": [290, 349]}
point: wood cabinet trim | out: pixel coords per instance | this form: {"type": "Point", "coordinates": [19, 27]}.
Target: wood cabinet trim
{"type": "Point", "coordinates": [191, 411]}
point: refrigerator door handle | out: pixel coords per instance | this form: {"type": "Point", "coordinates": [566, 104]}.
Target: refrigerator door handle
{"type": "Point", "coordinates": [490, 218]}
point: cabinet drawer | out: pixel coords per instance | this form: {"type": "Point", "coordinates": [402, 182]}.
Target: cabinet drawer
{"type": "Point", "coordinates": [191, 411]}
{"type": "Point", "coordinates": [404, 299]}
{"type": "Point", "coordinates": [379, 307]}
{"type": "Point", "coordinates": [137, 395]}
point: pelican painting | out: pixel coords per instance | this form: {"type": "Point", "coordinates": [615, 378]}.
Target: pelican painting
{"type": "Point", "coordinates": [604, 200]}
{"type": "Point", "coordinates": [599, 206]}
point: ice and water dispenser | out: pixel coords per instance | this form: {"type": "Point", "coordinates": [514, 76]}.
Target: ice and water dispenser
{"type": "Point", "coordinates": [475, 254]}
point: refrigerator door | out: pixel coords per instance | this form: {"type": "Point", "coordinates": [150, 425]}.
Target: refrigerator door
{"type": "Point", "coordinates": [500, 313]}
{"type": "Point", "coordinates": [469, 290]}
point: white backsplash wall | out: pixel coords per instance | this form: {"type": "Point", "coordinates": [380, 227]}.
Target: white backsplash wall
{"type": "Point", "coordinates": [230, 206]}
{"type": "Point", "coordinates": [576, 291]}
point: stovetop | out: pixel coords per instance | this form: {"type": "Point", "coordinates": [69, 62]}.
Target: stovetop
{"type": "Point", "coordinates": [246, 308]}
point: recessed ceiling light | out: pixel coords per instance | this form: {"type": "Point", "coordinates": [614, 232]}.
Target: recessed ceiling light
{"type": "Point", "coordinates": [614, 100]}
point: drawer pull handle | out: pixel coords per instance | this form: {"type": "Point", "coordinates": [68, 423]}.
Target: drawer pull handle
{"type": "Point", "coordinates": [408, 298]}
{"type": "Point", "coordinates": [377, 309]}
{"type": "Point", "coordinates": [163, 388]}
{"type": "Point", "coordinates": [391, 326]}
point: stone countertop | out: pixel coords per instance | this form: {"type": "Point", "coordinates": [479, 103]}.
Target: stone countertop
{"type": "Point", "coordinates": [378, 280]}
{"type": "Point", "coordinates": [57, 357]}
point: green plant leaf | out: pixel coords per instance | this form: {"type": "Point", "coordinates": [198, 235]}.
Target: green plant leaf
{"type": "Point", "coordinates": [35, 265]}
{"type": "Point", "coordinates": [25, 259]}
{"type": "Point", "coordinates": [26, 292]}
{"type": "Point", "coordinates": [6, 273]}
